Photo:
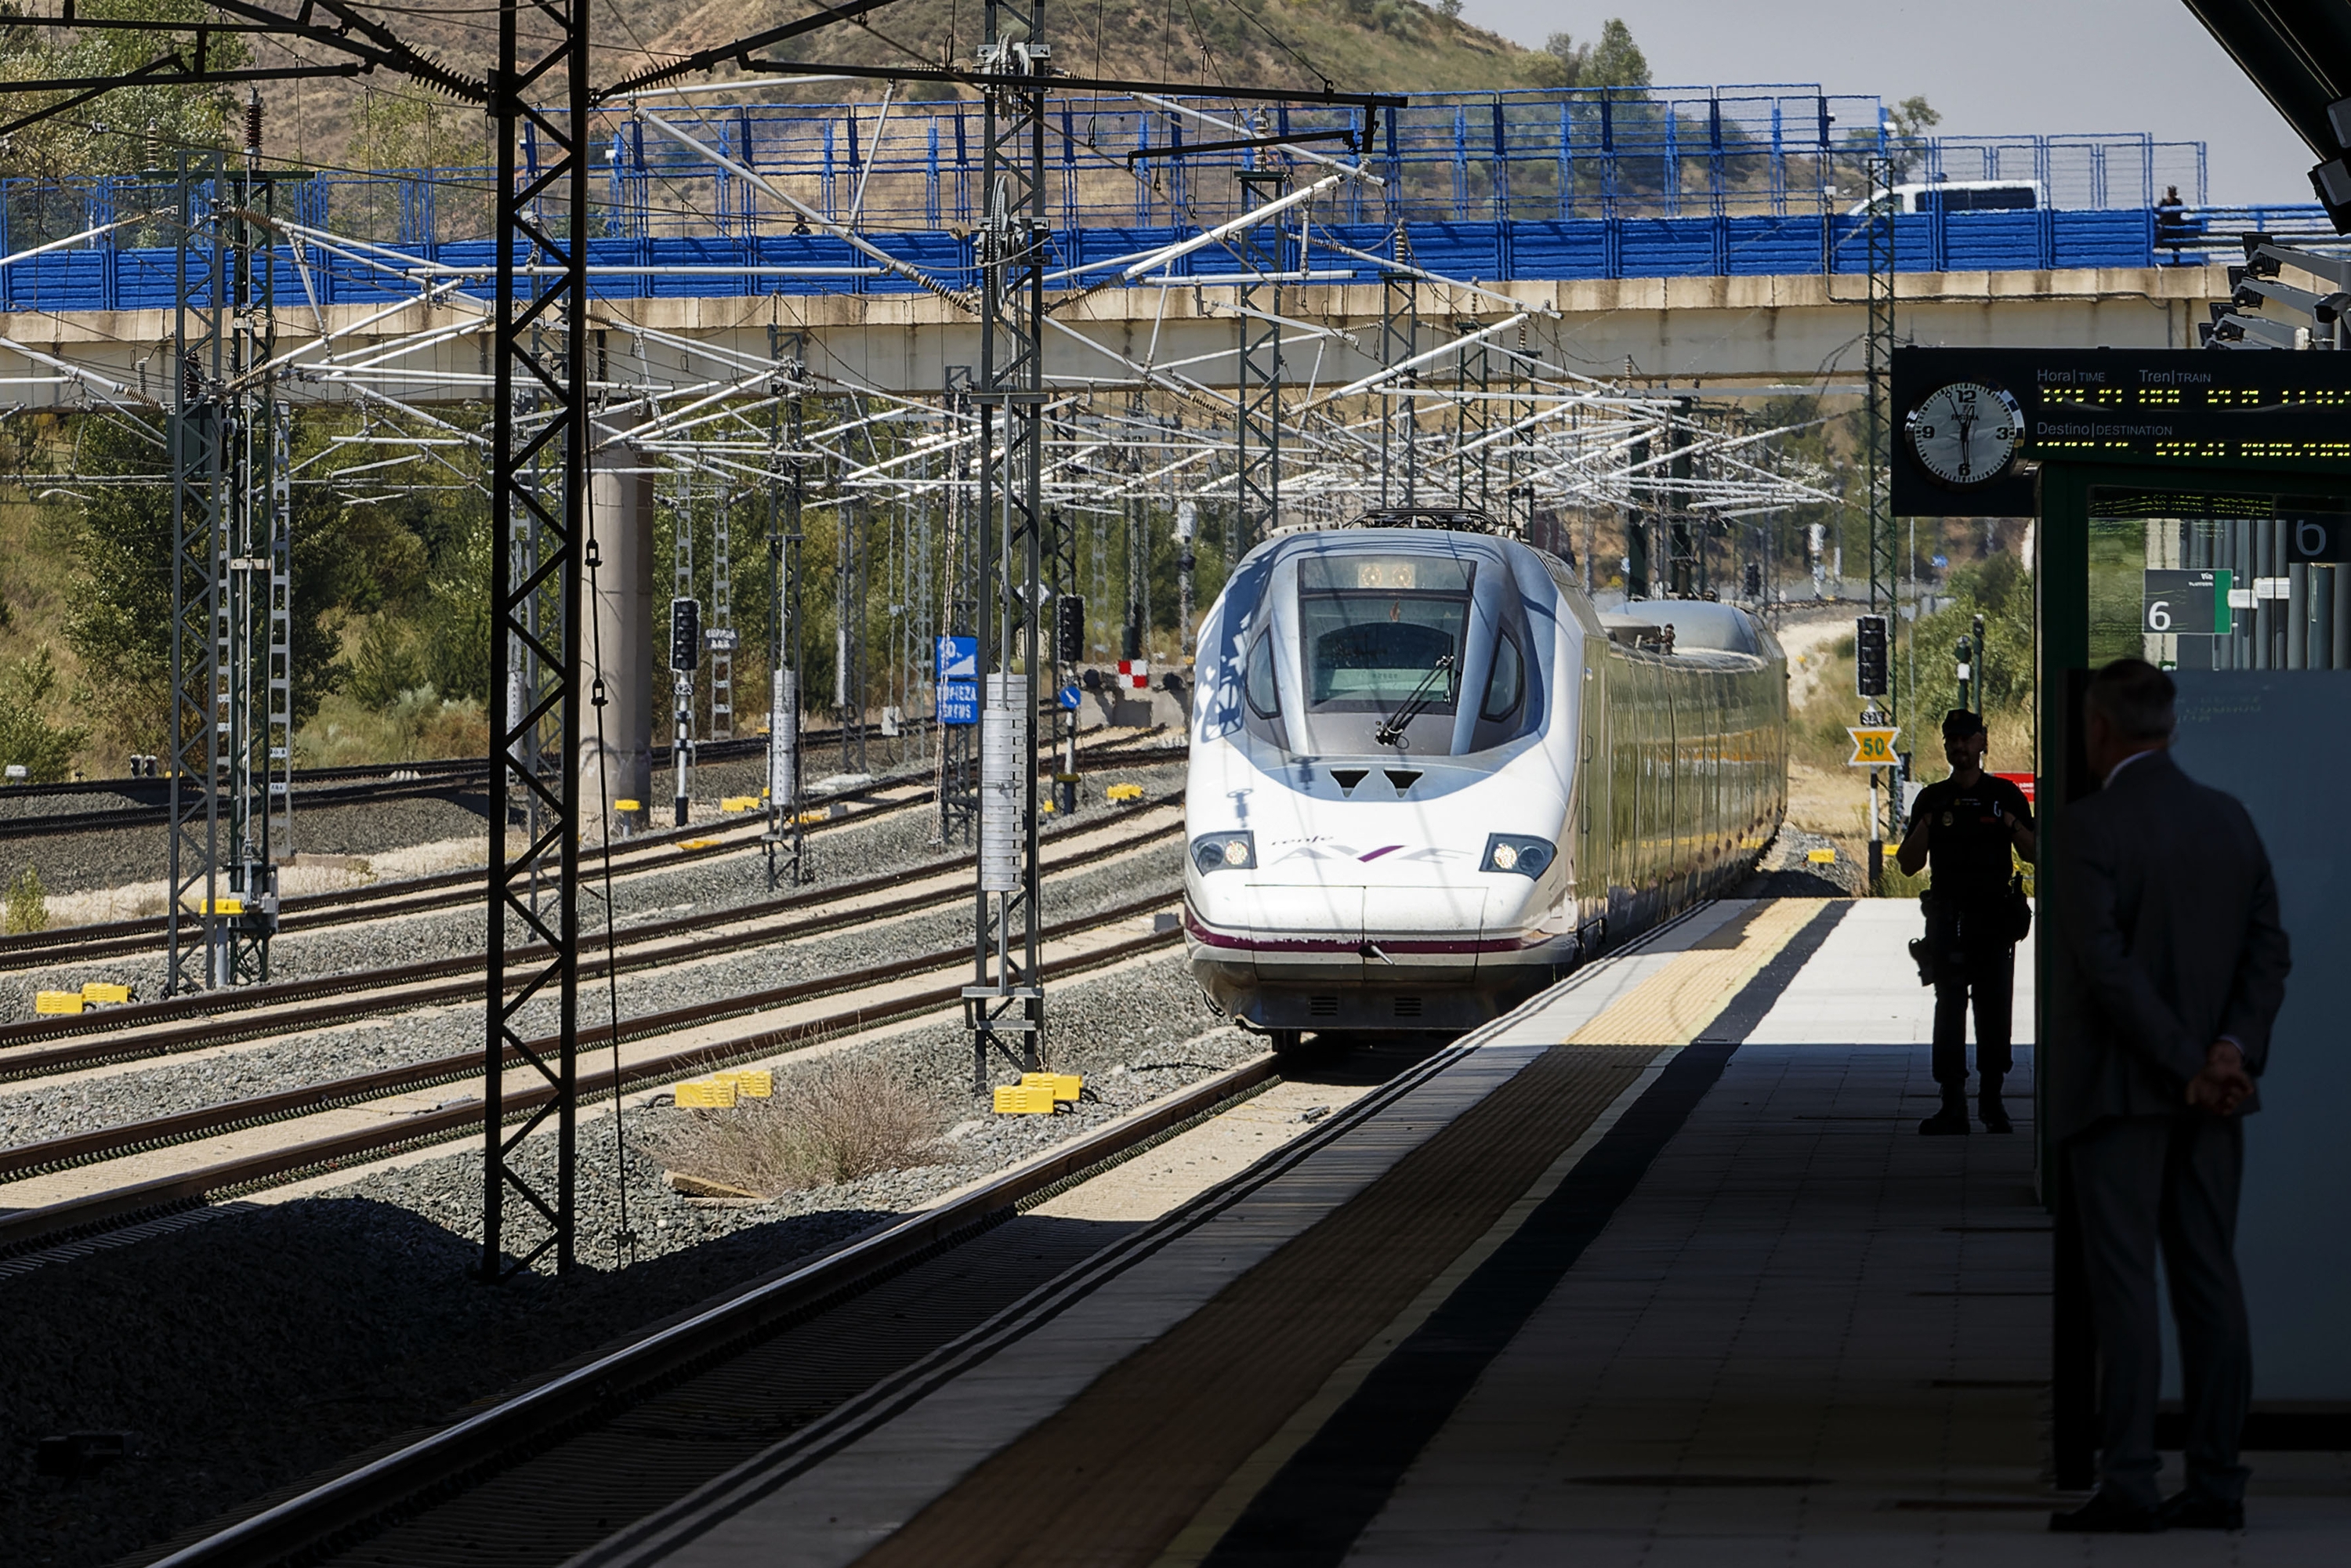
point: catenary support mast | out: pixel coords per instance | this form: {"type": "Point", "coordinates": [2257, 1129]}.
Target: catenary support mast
{"type": "Point", "coordinates": [1006, 1001]}
{"type": "Point", "coordinates": [542, 231]}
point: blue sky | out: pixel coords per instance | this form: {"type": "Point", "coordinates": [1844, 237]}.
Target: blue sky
{"type": "Point", "coordinates": [1993, 66]}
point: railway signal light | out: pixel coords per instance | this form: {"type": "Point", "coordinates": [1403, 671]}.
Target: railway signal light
{"type": "Point", "coordinates": [1069, 629]}
{"type": "Point", "coordinates": [1870, 664]}
{"type": "Point", "coordinates": [684, 633]}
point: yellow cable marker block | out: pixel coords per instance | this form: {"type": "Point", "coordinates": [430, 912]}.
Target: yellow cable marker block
{"type": "Point", "coordinates": [97, 992]}
{"type": "Point", "coordinates": [1024, 1100]}
{"type": "Point", "coordinates": [699, 844]}
{"type": "Point", "coordinates": [70, 1002]}
{"type": "Point", "coordinates": [739, 803]}
{"type": "Point", "coordinates": [1125, 792]}
{"type": "Point", "coordinates": [1064, 1086]}
{"type": "Point", "coordinates": [707, 1094]}
{"type": "Point", "coordinates": [750, 1082]}
{"type": "Point", "coordinates": [628, 805]}
{"type": "Point", "coordinates": [1821, 857]}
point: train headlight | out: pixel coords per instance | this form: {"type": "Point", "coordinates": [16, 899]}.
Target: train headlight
{"type": "Point", "coordinates": [1225, 852]}
{"type": "Point", "coordinates": [1517, 853]}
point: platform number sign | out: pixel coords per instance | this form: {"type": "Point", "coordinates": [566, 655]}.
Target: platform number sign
{"type": "Point", "coordinates": [2317, 539]}
{"type": "Point", "coordinates": [1872, 747]}
{"type": "Point", "coordinates": [2191, 603]}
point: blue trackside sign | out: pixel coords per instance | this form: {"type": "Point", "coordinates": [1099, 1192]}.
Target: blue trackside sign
{"type": "Point", "coordinates": [958, 702]}
{"type": "Point", "coordinates": [959, 659]}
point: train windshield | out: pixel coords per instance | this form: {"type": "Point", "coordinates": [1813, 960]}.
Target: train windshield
{"type": "Point", "coordinates": [1380, 631]}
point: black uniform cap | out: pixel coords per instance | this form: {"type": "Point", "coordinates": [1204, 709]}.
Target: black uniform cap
{"type": "Point", "coordinates": [1960, 725]}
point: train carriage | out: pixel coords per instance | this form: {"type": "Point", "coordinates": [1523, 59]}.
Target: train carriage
{"type": "Point", "coordinates": [1428, 777]}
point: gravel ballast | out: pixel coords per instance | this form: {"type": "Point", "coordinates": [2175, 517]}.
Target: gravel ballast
{"type": "Point", "coordinates": [166, 1087]}
{"type": "Point", "coordinates": [894, 841]}
{"type": "Point", "coordinates": [246, 1352]}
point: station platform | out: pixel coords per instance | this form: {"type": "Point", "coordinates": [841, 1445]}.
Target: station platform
{"type": "Point", "coordinates": [1656, 1270]}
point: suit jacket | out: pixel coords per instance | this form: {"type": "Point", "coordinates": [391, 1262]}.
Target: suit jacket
{"type": "Point", "coordinates": [2168, 938]}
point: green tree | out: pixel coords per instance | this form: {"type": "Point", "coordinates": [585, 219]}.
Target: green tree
{"type": "Point", "coordinates": [1913, 118]}
{"type": "Point", "coordinates": [1560, 62]}
{"type": "Point", "coordinates": [455, 622]}
{"type": "Point", "coordinates": [1616, 61]}
{"type": "Point", "coordinates": [2000, 589]}
{"type": "Point", "coordinates": [29, 738]}
{"type": "Point", "coordinates": [27, 907]}
{"type": "Point", "coordinates": [122, 539]}
{"type": "Point", "coordinates": [120, 133]}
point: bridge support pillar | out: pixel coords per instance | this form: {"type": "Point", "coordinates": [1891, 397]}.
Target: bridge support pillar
{"type": "Point", "coordinates": [619, 647]}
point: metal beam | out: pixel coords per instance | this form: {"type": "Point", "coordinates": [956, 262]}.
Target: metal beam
{"type": "Point", "coordinates": [1257, 423]}
{"type": "Point", "coordinates": [543, 224]}
{"type": "Point", "coordinates": [1004, 1003]}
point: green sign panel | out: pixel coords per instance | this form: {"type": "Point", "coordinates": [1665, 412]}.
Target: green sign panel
{"type": "Point", "coordinates": [2193, 603]}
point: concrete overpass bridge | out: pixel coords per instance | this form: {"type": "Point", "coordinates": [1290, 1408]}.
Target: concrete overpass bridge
{"type": "Point", "coordinates": [1717, 334]}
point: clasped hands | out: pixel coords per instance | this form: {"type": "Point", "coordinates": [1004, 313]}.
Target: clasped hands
{"type": "Point", "coordinates": [2224, 1084]}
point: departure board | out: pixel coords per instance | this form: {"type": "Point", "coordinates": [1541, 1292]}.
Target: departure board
{"type": "Point", "coordinates": [1968, 423]}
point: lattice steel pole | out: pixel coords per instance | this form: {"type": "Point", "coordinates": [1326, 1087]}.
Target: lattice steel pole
{"type": "Point", "coordinates": [1473, 417]}
{"type": "Point", "coordinates": [786, 498]}
{"type": "Point", "coordinates": [199, 438]}
{"type": "Point", "coordinates": [542, 233]}
{"type": "Point", "coordinates": [1518, 493]}
{"type": "Point", "coordinates": [1879, 226]}
{"type": "Point", "coordinates": [1879, 363]}
{"type": "Point", "coordinates": [279, 739]}
{"type": "Point", "coordinates": [250, 573]}
{"type": "Point", "coordinates": [720, 634]}
{"type": "Point", "coordinates": [1399, 331]}
{"type": "Point", "coordinates": [1006, 997]}
{"type": "Point", "coordinates": [1256, 457]}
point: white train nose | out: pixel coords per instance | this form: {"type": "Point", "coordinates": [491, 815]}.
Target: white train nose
{"type": "Point", "coordinates": [1355, 931]}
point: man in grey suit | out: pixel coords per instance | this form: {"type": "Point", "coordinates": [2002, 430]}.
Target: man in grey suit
{"type": "Point", "coordinates": [2175, 967]}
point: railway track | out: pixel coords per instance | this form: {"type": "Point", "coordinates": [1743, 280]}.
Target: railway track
{"type": "Point", "coordinates": [676, 1042]}
{"type": "Point", "coordinates": [713, 1376]}
{"type": "Point", "coordinates": [206, 1018]}
{"type": "Point", "coordinates": [448, 890]}
{"type": "Point", "coordinates": [146, 802]}
{"type": "Point", "coordinates": [457, 889]}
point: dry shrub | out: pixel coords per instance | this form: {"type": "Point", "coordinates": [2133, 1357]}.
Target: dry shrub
{"type": "Point", "coordinates": [830, 1123]}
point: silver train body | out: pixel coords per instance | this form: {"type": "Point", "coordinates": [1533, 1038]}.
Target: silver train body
{"type": "Point", "coordinates": [1427, 777]}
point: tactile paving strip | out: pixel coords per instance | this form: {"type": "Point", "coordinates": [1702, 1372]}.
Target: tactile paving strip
{"type": "Point", "coordinates": [1115, 1474]}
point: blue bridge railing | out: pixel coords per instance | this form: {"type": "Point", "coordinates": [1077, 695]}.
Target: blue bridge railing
{"type": "Point", "coordinates": [143, 277]}
{"type": "Point", "coordinates": [1582, 183]}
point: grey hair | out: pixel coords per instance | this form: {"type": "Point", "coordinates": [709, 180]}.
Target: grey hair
{"type": "Point", "coordinates": [2136, 698]}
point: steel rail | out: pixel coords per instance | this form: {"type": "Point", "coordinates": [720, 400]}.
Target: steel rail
{"type": "Point", "coordinates": [115, 939]}
{"type": "Point", "coordinates": [441, 890]}
{"type": "Point", "coordinates": [143, 1200]}
{"type": "Point", "coordinates": [618, 1379]}
{"type": "Point", "coordinates": [405, 986]}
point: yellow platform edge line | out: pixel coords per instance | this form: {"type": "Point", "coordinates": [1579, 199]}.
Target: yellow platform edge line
{"type": "Point", "coordinates": [1673, 1005]}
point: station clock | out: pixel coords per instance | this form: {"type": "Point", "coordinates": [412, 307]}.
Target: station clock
{"type": "Point", "coordinates": [1965, 432]}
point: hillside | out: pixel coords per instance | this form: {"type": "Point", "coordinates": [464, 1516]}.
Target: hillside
{"type": "Point", "coordinates": [1360, 45]}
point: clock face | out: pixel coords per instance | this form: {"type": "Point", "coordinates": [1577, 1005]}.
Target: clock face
{"type": "Point", "coordinates": [1965, 432]}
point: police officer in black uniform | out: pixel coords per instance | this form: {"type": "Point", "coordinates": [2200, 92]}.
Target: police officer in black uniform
{"type": "Point", "coordinates": [1964, 827]}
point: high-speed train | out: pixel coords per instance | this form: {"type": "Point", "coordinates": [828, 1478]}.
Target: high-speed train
{"type": "Point", "coordinates": [1427, 777]}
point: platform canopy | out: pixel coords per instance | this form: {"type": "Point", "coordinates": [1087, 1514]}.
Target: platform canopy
{"type": "Point", "coordinates": [2298, 54]}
